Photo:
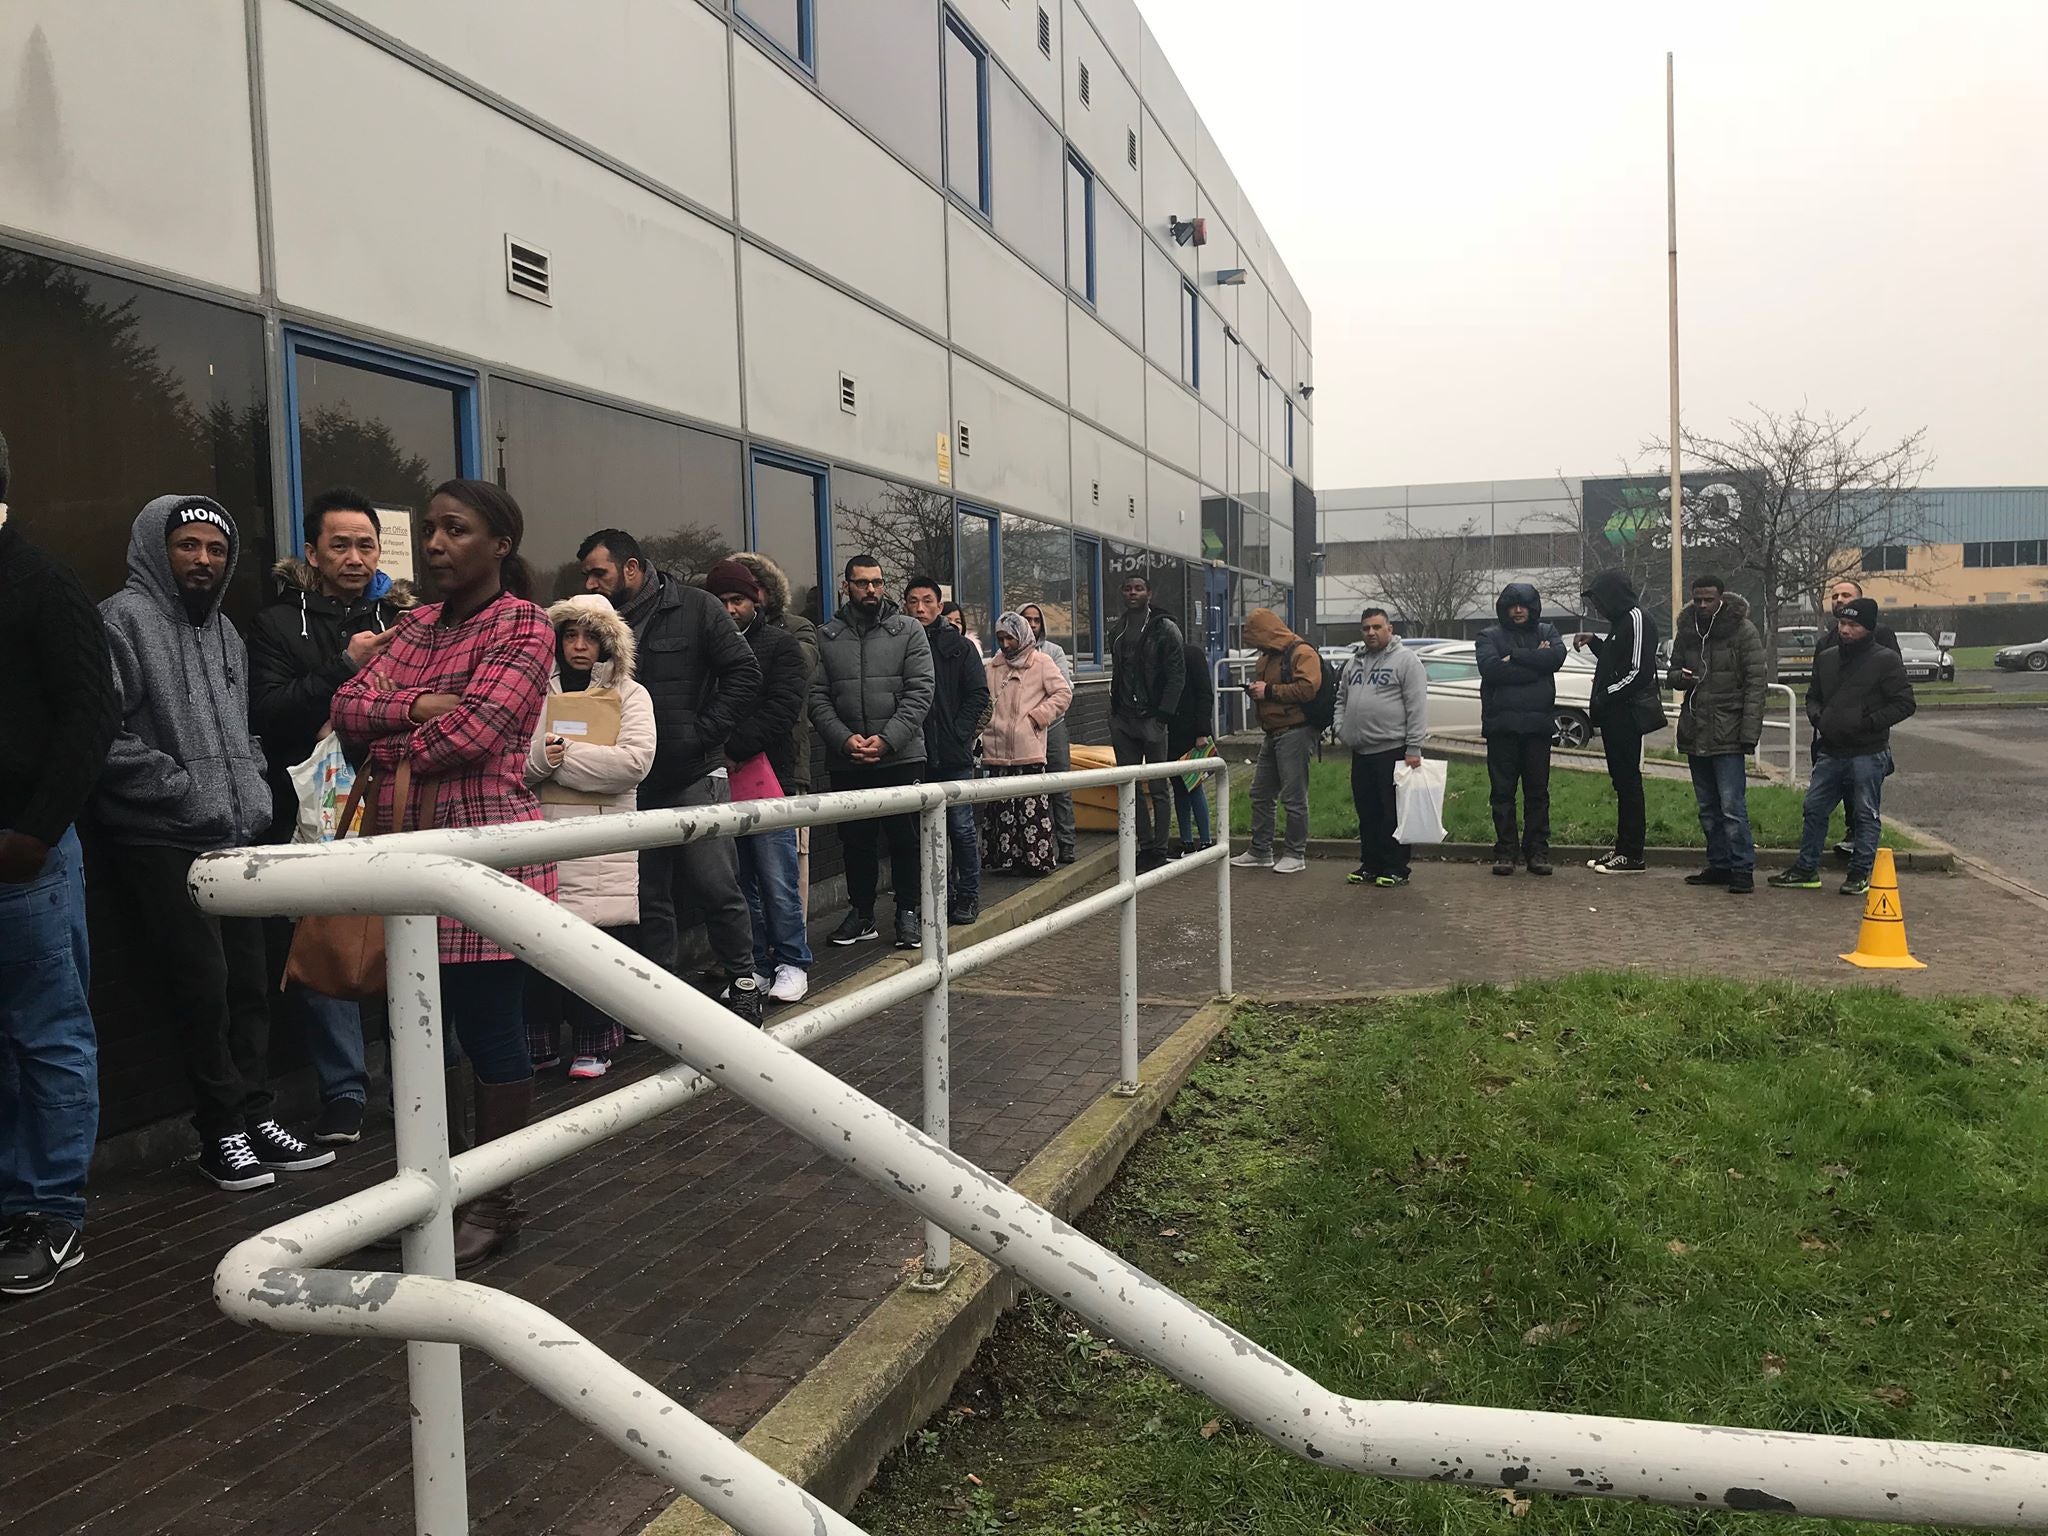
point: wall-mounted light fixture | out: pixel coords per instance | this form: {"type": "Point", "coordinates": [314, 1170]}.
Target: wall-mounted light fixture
{"type": "Point", "coordinates": [1187, 231]}
{"type": "Point", "coordinates": [1230, 277]}
{"type": "Point", "coordinates": [1305, 390]}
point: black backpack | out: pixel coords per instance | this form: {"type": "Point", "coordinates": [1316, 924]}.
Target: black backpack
{"type": "Point", "coordinates": [1320, 711]}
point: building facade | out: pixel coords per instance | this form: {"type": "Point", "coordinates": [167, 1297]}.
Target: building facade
{"type": "Point", "coordinates": [967, 285]}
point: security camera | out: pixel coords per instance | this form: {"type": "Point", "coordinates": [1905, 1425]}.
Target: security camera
{"type": "Point", "coordinates": [1306, 390]}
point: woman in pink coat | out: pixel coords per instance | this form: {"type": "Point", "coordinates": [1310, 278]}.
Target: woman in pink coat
{"type": "Point", "coordinates": [1027, 693]}
{"type": "Point", "coordinates": [593, 654]}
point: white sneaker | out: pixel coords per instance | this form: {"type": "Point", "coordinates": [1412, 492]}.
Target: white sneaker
{"type": "Point", "coordinates": [763, 980]}
{"type": "Point", "coordinates": [584, 1068]}
{"type": "Point", "coordinates": [791, 983]}
{"type": "Point", "coordinates": [1253, 861]}
{"type": "Point", "coordinates": [1288, 864]}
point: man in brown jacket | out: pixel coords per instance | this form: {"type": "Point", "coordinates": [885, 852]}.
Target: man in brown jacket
{"type": "Point", "coordinates": [1285, 684]}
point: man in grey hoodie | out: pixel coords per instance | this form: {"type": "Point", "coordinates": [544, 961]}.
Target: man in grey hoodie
{"type": "Point", "coordinates": [185, 777]}
{"type": "Point", "coordinates": [1382, 716]}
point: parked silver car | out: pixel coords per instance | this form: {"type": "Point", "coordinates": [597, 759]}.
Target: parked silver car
{"type": "Point", "coordinates": [1925, 660]}
{"type": "Point", "coordinates": [2023, 658]}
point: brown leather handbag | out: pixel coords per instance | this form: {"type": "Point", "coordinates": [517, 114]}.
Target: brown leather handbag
{"type": "Point", "coordinates": [342, 954]}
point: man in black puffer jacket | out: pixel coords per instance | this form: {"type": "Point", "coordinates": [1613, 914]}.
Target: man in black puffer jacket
{"type": "Point", "coordinates": [1625, 709]}
{"type": "Point", "coordinates": [703, 678]}
{"type": "Point", "coordinates": [960, 709]}
{"type": "Point", "coordinates": [1518, 662]}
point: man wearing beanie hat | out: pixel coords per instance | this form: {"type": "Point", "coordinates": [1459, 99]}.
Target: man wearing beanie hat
{"type": "Point", "coordinates": [185, 777]}
{"type": "Point", "coordinates": [768, 860]}
{"type": "Point", "coordinates": [1858, 693]}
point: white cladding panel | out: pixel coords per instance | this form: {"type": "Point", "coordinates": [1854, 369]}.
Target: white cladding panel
{"type": "Point", "coordinates": [1100, 129]}
{"type": "Point", "coordinates": [1018, 454]}
{"type": "Point", "coordinates": [1109, 485]}
{"type": "Point", "coordinates": [1162, 310]}
{"type": "Point", "coordinates": [1122, 30]}
{"type": "Point", "coordinates": [1011, 31]}
{"type": "Point", "coordinates": [1167, 99]}
{"type": "Point", "coordinates": [823, 191]}
{"type": "Point", "coordinates": [1005, 313]}
{"type": "Point", "coordinates": [126, 131]}
{"type": "Point", "coordinates": [643, 291]}
{"type": "Point", "coordinates": [1219, 255]}
{"type": "Point", "coordinates": [802, 335]}
{"type": "Point", "coordinates": [1252, 315]}
{"type": "Point", "coordinates": [1215, 451]}
{"type": "Point", "coordinates": [1173, 427]}
{"type": "Point", "coordinates": [642, 80]}
{"type": "Point", "coordinates": [1169, 193]}
{"type": "Point", "coordinates": [1173, 519]}
{"type": "Point", "coordinates": [1108, 377]}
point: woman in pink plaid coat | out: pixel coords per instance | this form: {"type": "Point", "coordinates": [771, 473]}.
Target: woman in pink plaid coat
{"type": "Point", "coordinates": [458, 693]}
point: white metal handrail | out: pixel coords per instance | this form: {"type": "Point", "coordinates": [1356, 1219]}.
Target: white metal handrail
{"type": "Point", "coordinates": [279, 1278]}
{"type": "Point", "coordinates": [1789, 725]}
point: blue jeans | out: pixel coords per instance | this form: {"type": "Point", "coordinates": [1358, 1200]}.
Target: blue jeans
{"type": "Point", "coordinates": [1722, 790]}
{"type": "Point", "coordinates": [1191, 804]}
{"type": "Point", "coordinates": [334, 1044]}
{"type": "Point", "coordinates": [49, 1055]}
{"type": "Point", "coordinates": [963, 848]}
{"type": "Point", "coordinates": [768, 880]}
{"type": "Point", "coordinates": [1858, 783]}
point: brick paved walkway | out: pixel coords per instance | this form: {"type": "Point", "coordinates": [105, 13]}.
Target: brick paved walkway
{"type": "Point", "coordinates": [720, 1257]}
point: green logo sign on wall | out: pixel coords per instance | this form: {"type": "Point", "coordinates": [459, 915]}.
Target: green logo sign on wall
{"type": "Point", "coordinates": [1212, 544]}
{"type": "Point", "coordinates": [1640, 511]}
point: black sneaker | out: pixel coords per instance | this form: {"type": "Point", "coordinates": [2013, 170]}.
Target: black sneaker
{"type": "Point", "coordinates": [744, 997]}
{"type": "Point", "coordinates": [1151, 859]}
{"type": "Point", "coordinates": [1390, 882]}
{"type": "Point", "coordinates": [1503, 863]}
{"type": "Point", "coordinates": [1741, 882]}
{"type": "Point", "coordinates": [1619, 864]}
{"type": "Point", "coordinates": [277, 1148]}
{"type": "Point", "coordinates": [1795, 879]}
{"type": "Point", "coordinates": [341, 1122]}
{"type": "Point", "coordinates": [1856, 885]}
{"type": "Point", "coordinates": [858, 928]}
{"type": "Point", "coordinates": [1359, 876]}
{"type": "Point", "coordinates": [961, 917]}
{"type": "Point", "coordinates": [34, 1250]}
{"type": "Point", "coordinates": [1539, 863]}
{"type": "Point", "coordinates": [909, 930]}
{"type": "Point", "coordinates": [231, 1163]}
{"type": "Point", "coordinates": [1711, 875]}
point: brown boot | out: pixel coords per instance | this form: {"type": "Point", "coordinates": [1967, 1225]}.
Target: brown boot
{"type": "Point", "coordinates": [489, 1224]}
{"type": "Point", "coordinates": [455, 1085]}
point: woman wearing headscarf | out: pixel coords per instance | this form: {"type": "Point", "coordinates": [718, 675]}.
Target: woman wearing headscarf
{"type": "Point", "coordinates": [1027, 693]}
{"type": "Point", "coordinates": [593, 655]}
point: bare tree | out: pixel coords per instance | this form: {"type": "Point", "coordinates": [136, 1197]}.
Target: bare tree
{"type": "Point", "coordinates": [1796, 498]}
{"type": "Point", "coordinates": [1642, 549]}
{"type": "Point", "coordinates": [1427, 580]}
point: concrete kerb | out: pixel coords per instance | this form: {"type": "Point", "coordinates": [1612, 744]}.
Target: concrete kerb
{"type": "Point", "coordinates": [1923, 861]}
{"type": "Point", "coordinates": [832, 1430]}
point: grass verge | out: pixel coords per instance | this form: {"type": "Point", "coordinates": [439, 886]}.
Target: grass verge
{"type": "Point", "coordinates": [1975, 658]}
{"type": "Point", "coordinates": [1581, 808]}
{"type": "Point", "coordinates": [1803, 1210]}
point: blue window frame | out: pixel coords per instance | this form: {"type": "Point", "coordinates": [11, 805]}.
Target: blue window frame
{"type": "Point", "coordinates": [966, 107]}
{"type": "Point", "coordinates": [1290, 434]}
{"type": "Point", "coordinates": [1088, 602]}
{"type": "Point", "coordinates": [1080, 227]}
{"type": "Point", "coordinates": [1190, 337]}
{"type": "Point", "coordinates": [416, 437]}
{"type": "Point", "coordinates": [791, 25]}
{"type": "Point", "coordinates": [978, 570]}
{"type": "Point", "coordinates": [787, 503]}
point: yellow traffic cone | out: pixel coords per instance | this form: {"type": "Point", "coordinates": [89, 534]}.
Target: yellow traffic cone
{"type": "Point", "coordinates": [1881, 944]}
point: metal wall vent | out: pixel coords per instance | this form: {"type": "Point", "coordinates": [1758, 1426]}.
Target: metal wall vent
{"type": "Point", "coordinates": [1134, 146]}
{"type": "Point", "coordinates": [1044, 32]}
{"type": "Point", "coordinates": [849, 395]}
{"type": "Point", "coordinates": [966, 442]}
{"type": "Point", "coordinates": [1132, 509]}
{"type": "Point", "coordinates": [529, 271]}
{"type": "Point", "coordinates": [1095, 492]}
{"type": "Point", "coordinates": [1084, 85]}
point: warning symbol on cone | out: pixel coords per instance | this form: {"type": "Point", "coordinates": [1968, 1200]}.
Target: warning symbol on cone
{"type": "Point", "coordinates": [1881, 943]}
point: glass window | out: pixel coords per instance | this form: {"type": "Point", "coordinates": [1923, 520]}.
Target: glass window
{"type": "Point", "coordinates": [1190, 337]}
{"type": "Point", "coordinates": [876, 62]}
{"type": "Point", "coordinates": [1885, 557]}
{"type": "Point", "coordinates": [1450, 671]}
{"type": "Point", "coordinates": [1254, 553]}
{"type": "Point", "coordinates": [1247, 417]}
{"type": "Point", "coordinates": [975, 588]}
{"type": "Point", "coordinates": [1080, 229]}
{"type": "Point", "coordinates": [1118, 249]}
{"type": "Point", "coordinates": [113, 394]}
{"type": "Point", "coordinates": [966, 116]}
{"type": "Point", "coordinates": [785, 23]}
{"type": "Point", "coordinates": [787, 511]}
{"type": "Point", "coordinates": [1289, 460]}
{"type": "Point", "coordinates": [1215, 528]}
{"type": "Point", "coordinates": [910, 531]}
{"type": "Point", "coordinates": [577, 467]}
{"type": "Point", "coordinates": [1038, 567]}
{"type": "Point", "coordinates": [1026, 160]}
{"type": "Point", "coordinates": [1087, 600]}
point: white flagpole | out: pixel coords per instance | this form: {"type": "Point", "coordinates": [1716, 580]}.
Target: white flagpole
{"type": "Point", "coordinates": [1671, 200]}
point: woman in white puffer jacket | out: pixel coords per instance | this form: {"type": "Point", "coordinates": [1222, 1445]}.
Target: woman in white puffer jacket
{"type": "Point", "coordinates": [594, 654]}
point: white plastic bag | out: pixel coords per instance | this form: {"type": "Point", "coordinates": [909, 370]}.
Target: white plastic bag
{"type": "Point", "coordinates": [1419, 801]}
{"type": "Point", "coordinates": [322, 783]}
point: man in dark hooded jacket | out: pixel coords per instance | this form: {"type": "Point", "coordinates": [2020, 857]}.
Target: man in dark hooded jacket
{"type": "Point", "coordinates": [1625, 709]}
{"type": "Point", "coordinates": [1717, 664]}
{"type": "Point", "coordinates": [185, 777]}
{"type": "Point", "coordinates": [1518, 662]}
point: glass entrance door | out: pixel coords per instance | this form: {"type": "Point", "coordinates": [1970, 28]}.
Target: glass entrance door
{"type": "Point", "coordinates": [789, 527]}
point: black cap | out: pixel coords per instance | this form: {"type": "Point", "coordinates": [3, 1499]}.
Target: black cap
{"type": "Point", "coordinates": [1861, 611]}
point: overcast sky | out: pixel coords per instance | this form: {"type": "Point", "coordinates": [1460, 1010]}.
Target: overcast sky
{"type": "Point", "coordinates": [1471, 196]}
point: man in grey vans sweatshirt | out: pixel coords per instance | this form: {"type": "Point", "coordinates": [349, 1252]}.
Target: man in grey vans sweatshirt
{"type": "Point", "coordinates": [185, 777]}
{"type": "Point", "coordinates": [1382, 716]}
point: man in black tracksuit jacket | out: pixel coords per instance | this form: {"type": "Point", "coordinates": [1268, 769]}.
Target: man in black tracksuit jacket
{"type": "Point", "coordinates": [960, 706]}
{"type": "Point", "coordinates": [1625, 708]}
{"type": "Point", "coordinates": [1518, 662]}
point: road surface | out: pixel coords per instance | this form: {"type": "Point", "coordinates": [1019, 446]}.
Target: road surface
{"type": "Point", "coordinates": [1978, 779]}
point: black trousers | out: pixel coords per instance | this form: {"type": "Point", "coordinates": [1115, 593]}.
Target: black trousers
{"type": "Point", "coordinates": [863, 840]}
{"type": "Point", "coordinates": [706, 874]}
{"type": "Point", "coordinates": [1519, 760]}
{"type": "Point", "coordinates": [1623, 742]}
{"type": "Point", "coordinates": [213, 976]}
{"type": "Point", "coordinates": [1372, 793]}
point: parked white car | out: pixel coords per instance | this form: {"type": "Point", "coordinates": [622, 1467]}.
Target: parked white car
{"type": "Point", "coordinates": [1453, 673]}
